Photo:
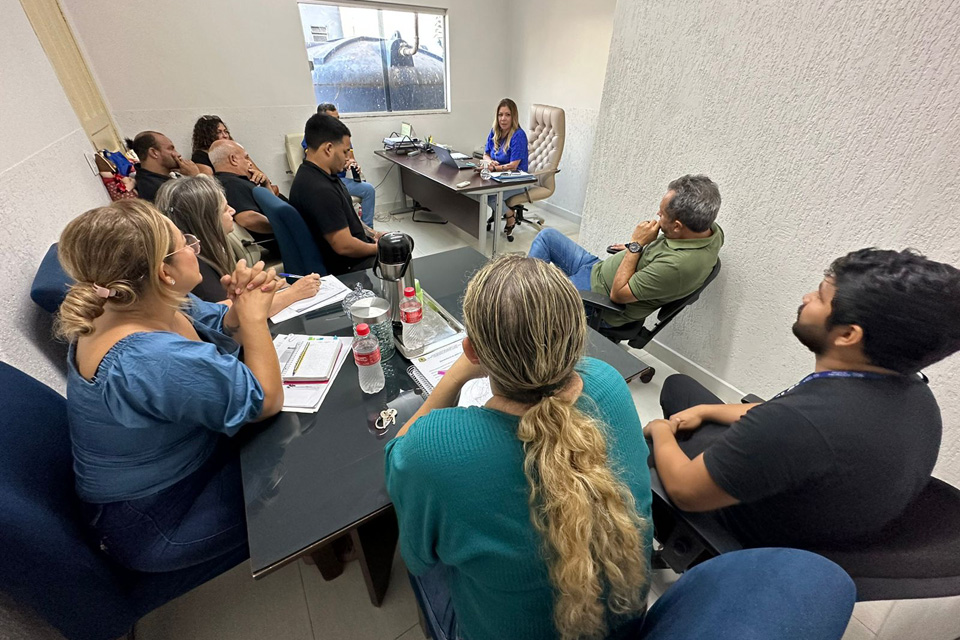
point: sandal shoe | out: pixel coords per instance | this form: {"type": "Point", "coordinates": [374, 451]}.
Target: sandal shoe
{"type": "Point", "coordinates": [508, 229]}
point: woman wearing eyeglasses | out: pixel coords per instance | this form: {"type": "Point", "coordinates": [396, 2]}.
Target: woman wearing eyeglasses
{"type": "Point", "coordinates": [198, 206]}
{"type": "Point", "coordinates": [156, 387]}
{"type": "Point", "coordinates": [206, 131]}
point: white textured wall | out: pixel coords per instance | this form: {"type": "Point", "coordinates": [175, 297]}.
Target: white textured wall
{"type": "Point", "coordinates": [44, 182]}
{"type": "Point", "coordinates": [559, 51]}
{"type": "Point", "coordinates": [245, 61]}
{"type": "Point", "coordinates": [828, 126]}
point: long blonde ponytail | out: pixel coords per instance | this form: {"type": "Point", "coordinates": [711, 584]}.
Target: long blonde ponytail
{"type": "Point", "coordinates": [526, 323]}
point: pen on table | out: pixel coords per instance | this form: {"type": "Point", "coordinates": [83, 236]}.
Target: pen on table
{"type": "Point", "coordinates": [302, 354]}
{"type": "Point", "coordinates": [289, 275]}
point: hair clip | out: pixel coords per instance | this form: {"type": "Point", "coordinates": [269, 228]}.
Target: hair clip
{"type": "Point", "coordinates": [103, 292]}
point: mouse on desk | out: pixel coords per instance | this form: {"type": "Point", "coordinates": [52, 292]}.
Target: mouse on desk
{"type": "Point", "coordinates": [415, 152]}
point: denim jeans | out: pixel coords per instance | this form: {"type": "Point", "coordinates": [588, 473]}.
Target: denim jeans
{"type": "Point", "coordinates": [367, 195]}
{"type": "Point", "coordinates": [754, 594]}
{"type": "Point", "coordinates": [552, 246]}
{"type": "Point", "coordinates": [196, 520]}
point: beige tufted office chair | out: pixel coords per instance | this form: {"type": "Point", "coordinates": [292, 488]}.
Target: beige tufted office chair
{"type": "Point", "coordinates": [545, 137]}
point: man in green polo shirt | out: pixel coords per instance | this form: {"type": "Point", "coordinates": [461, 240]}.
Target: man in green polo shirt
{"type": "Point", "coordinates": [667, 258]}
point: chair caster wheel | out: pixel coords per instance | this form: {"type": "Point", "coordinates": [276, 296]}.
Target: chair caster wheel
{"type": "Point", "coordinates": [489, 226]}
{"type": "Point", "coordinates": [647, 375]}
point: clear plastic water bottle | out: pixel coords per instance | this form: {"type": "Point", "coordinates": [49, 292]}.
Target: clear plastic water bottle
{"type": "Point", "coordinates": [411, 314]}
{"type": "Point", "coordinates": [485, 171]}
{"type": "Point", "coordinates": [366, 353]}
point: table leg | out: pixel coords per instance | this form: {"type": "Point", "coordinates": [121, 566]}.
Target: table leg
{"type": "Point", "coordinates": [496, 223]}
{"type": "Point", "coordinates": [482, 229]}
{"type": "Point", "coordinates": [375, 542]}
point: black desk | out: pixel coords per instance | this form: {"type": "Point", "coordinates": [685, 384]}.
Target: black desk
{"type": "Point", "coordinates": [309, 479]}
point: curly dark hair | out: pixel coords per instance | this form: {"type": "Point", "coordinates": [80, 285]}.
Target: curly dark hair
{"type": "Point", "coordinates": [907, 305]}
{"type": "Point", "coordinates": [205, 132]}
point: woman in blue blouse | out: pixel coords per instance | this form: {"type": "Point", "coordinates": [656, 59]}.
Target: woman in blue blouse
{"type": "Point", "coordinates": [535, 508]}
{"type": "Point", "coordinates": [506, 150]}
{"type": "Point", "coordinates": [155, 387]}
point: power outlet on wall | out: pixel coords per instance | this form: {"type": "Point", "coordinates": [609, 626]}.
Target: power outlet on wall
{"type": "Point", "coordinates": [91, 162]}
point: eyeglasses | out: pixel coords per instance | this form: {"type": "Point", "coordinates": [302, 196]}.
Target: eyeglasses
{"type": "Point", "coordinates": [193, 243]}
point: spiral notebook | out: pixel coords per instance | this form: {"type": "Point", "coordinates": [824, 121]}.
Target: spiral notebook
{"type": "Point", "coordinates": [427, 370]}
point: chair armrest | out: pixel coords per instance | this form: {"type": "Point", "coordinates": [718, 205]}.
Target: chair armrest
{"type": "Point", "coordinates": [600, 301]}
{"type": "Point", "coordinates": [751, 399]}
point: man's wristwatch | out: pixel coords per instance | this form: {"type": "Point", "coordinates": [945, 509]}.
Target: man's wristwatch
{"type": "Point", "coordinates": [634, 247]}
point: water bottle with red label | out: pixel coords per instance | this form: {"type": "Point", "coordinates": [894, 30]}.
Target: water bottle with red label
{"type": "Point", "coordinates": [366, 353]}
{"type": "Point", "coordinates": [411, 316]}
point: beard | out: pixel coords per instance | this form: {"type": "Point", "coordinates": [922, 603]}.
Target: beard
{"type": "Point", "coordinates": [811, 336]}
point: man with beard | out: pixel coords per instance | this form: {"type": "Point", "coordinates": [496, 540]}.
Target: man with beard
{"type": "Point", "coordinates": [840, 454]}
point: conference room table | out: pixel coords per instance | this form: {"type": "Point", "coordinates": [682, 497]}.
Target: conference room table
{"type": "Point", "coordinates": [310, 479]}
{"type": "Point", "coordinates": [433, 186]}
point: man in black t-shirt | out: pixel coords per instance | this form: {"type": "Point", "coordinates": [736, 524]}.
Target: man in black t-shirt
{"type": "Point", "coordinates": [158, 157]}
{"type": "Point", "coordinates": [842, 453]}
{"type": "Point", "coordinates": [232, 167]}
{"type": "Point", "coordinates": [320, 197]}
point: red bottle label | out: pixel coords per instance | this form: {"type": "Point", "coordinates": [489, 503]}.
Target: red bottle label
{"type": "Point", "coordinates": [411, 317]}
{"type": "Point", "coordinates": [367, 359]}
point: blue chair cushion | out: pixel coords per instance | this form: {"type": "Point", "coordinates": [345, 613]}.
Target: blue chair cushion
{"type": "Point", "coordinates": [51, 282]}
{"type": "Point", "coordinates": [299, 252]}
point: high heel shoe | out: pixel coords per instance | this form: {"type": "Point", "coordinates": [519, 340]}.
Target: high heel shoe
{"type": "Point", "coordinates": [508, 229]}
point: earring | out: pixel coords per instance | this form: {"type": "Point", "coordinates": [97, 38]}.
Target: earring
{"type": "Point", "coordinates": [172, 281]}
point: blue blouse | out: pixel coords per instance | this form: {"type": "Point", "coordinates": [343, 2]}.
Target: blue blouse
{"type": "Point", "coordinates": [517, 150]}
{"type": "Point", "coordinates": [156, 407]}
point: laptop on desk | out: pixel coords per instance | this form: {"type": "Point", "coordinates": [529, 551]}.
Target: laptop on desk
{"type": "Point", "coordinates": [447, 158]}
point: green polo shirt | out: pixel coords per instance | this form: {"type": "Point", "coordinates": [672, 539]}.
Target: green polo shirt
{"type": "Point", "coordinates": [667, 270]}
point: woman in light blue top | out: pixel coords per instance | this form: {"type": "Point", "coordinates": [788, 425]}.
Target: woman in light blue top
{"type": "Point", "coordinates": [155, 387]}
{"type": "Point", "coordinates": [530, 514]}
{"type": "Point", "coordinates": [506, 150]}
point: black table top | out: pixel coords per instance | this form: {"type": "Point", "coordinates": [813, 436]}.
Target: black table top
{"type": "Point", "coordinates": [307, 477]}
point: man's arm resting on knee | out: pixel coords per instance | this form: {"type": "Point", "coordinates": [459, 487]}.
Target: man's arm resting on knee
{"type": "Point", "coordinates": [687, 482]}
{"type": "Point", "coordinates": [344, 244]}
{"type": "Point", "coordinates": [253, 221]}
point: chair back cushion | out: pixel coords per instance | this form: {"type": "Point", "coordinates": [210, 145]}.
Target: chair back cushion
{"type": "Point", "coordinates": [51, 282]}
{"type": "Point", "coordinates": [299, 252]}
{"type": "Point", "coordinates": [545, 140]}
{"type": "Point", "coordinates": [294, 150]}
{"type": "Point", "coordinates": [48, 563]}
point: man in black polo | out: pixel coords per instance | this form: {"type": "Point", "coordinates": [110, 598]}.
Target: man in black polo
{"type": "Point", "coordinates": [842, 453]}
{"type": "Point", "coordinates": [232, 167]}
{"type": "Point", "coordinates": [158, 157]}
{"type": "Point", "coordinates": [323, 201]}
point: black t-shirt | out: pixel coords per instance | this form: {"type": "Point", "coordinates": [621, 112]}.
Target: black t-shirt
{"type": "Point", "coordinates": [833, 460]}
{"type": "Point", "coordinates": [202, 157]}
{"type": "Point", "coordinates": [326, 207]}
{"type": "Point", "coordinates": [239, 192]}
{"type": "Point", "coordinates": [148, 183]}
{"type": "Point", "coordinates": [209, 288]}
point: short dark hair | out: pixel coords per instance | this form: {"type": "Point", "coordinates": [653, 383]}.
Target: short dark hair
{"type": "Point", "coordinates": [142, 143]}
{"type": "Point", "coordinates": [321, 129]}
{"type": "Point", "coordinates": [695, 202]}
{"type": "Point", "coordinates": [325, 107]}
{"type": "Point", "coordinates": [907, 305]}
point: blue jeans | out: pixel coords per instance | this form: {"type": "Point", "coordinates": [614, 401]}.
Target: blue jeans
{"type": "Point", "coordinates": [198, 519]}
{"type": "Point", "coordinates": [367, 195]}
{"type": "Point", "coordinates": [755, 594]}
{"type": "Point", "coordinates": [552, 246]}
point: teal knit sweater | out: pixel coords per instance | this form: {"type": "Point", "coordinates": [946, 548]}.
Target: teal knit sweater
{"type": "Point", "coordinates": [456, 480]}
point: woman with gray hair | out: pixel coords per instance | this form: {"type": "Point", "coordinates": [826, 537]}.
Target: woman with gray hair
{"type": "Point", "coordinates": [198, 206]}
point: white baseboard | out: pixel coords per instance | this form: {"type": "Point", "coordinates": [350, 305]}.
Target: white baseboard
{"type": "Point", "coordinates": [716, 385]}
{"type": "Point", "coordinates": [558, 211]}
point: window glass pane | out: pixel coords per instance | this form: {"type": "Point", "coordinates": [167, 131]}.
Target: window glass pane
{"type": "Point", "coordinates": [369, 60]}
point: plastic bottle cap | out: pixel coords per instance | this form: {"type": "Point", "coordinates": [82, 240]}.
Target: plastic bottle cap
{"type": "Point", "coordinates": [409, 292]}
{"type": "Point", "coordinates": [363, 329]}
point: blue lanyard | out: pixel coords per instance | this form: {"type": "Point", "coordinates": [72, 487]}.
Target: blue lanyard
{"type": "Point", "coordinates": [862, 375]}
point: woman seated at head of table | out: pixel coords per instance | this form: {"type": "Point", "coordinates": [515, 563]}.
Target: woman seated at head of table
{"type": "Point", "coordinates": [506, 150]}
{"type": "Point", "coordinates": [531, 514]}
{"type": "Point", "coordinates": [155, 387]}
{"type": "Point", "coordinates": [198, 206]}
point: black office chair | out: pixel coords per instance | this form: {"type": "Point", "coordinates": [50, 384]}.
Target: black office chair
{"type": "Point", "coordinates": [915, 556]}
{"type": "Point", "coordinates": [636, 333]}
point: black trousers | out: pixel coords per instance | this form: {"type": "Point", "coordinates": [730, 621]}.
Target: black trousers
{"type": "Point", "coordinates": [682, 392]}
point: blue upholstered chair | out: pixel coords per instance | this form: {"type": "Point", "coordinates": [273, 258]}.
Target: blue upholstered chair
{"type": "Point", "coordinates": [298, 250]}
{"type": "Point", "coordinates": [48, 562]}
{"type": "Point", "coordinates": [51, 283]}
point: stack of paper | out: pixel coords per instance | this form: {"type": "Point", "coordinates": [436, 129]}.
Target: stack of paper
{"type": "Point", "coordinates": [512, 176]}
{"type": "Point", "coordinates": [306, 397]}
{"type": "Point", "coordinates": [332, 291]}
{"type": "Point", "coordinates": [427, 371]}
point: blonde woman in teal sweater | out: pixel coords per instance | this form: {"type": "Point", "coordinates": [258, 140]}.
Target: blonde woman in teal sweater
{"type": "Point", "coordinates": [532, 511]}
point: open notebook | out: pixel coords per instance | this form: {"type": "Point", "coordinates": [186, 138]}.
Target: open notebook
{"type": "Point", "coordinates": [306, 358]}
{"type": "Point", "coordinates": [427, 370]}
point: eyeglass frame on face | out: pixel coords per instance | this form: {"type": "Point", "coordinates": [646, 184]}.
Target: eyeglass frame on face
{"type": "Point", "coordinates": [192, 243]}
